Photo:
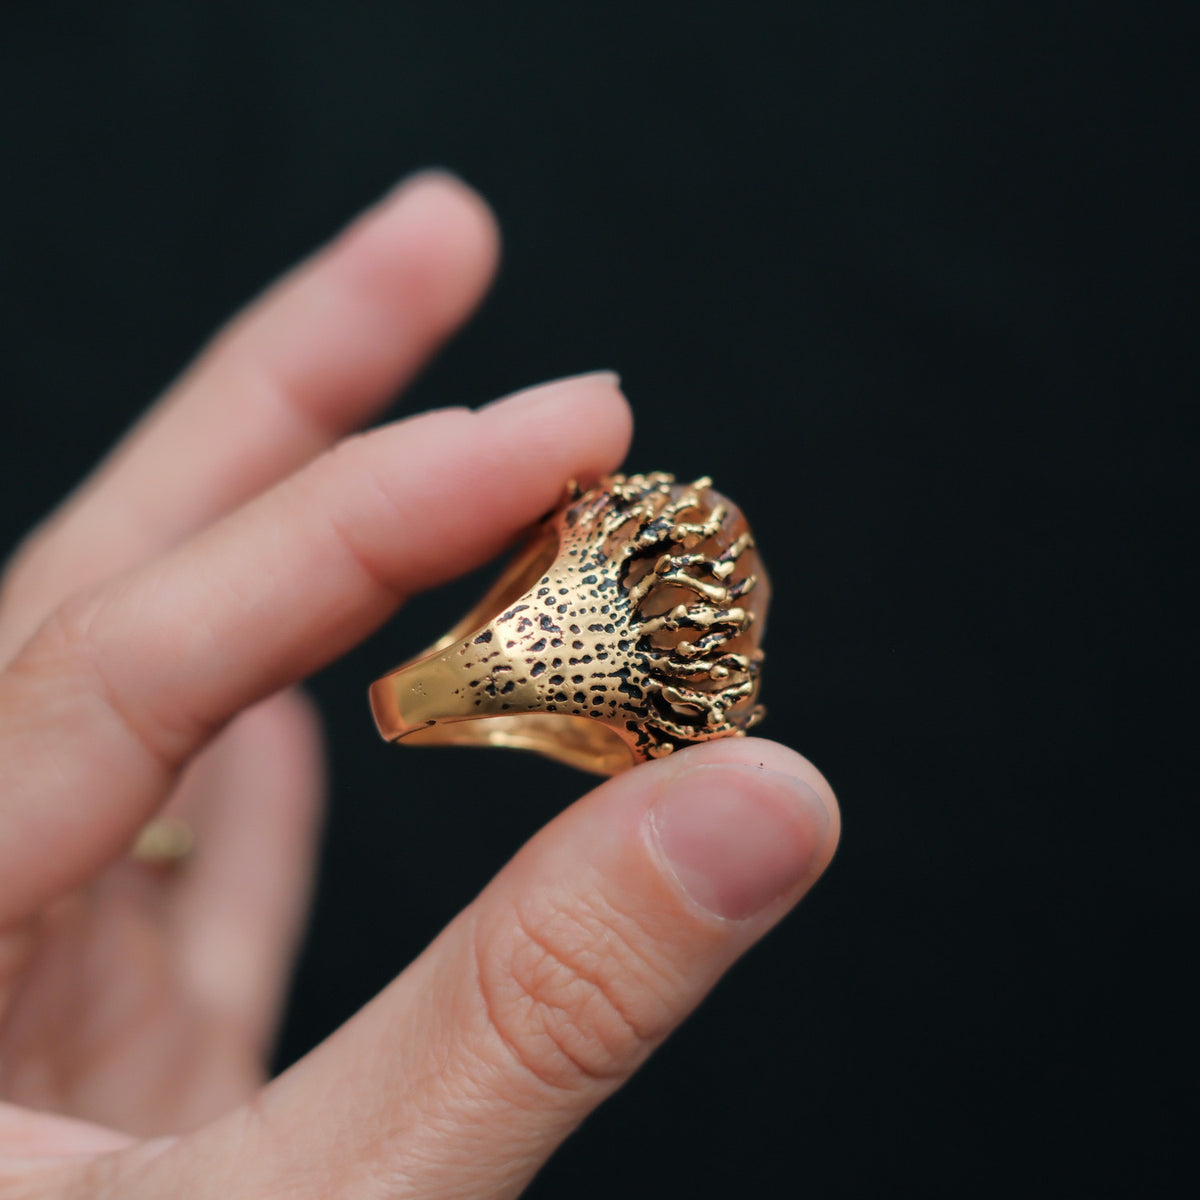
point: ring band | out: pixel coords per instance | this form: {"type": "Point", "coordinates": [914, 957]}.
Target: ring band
{"type": "Point", "coordinates": [164, 842]}
{"type": "Point", "coordinates": [626, 628]}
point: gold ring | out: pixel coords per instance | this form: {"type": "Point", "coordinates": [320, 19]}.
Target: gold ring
{"type": "Point", "coordinates": [626, 628]}
{"type": "Point", "coordinates": [164, 842]}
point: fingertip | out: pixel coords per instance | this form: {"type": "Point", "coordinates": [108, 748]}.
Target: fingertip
{"type": "Point", "coordinates": [450, 190]}
{"type": "Point", "coordinates": [341, 333]}
{"type": "Point", "coordinates": [556, 413]}
{"type": "Point", "coordinates": [476, 478]}
{"type": "Point", "coordinates": [440, 232]}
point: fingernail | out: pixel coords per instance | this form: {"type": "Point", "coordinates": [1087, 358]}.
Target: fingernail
{"type": "Point", "coordinates": [738, 837]}
{"type": "Point", "coordinates": [535, 392]}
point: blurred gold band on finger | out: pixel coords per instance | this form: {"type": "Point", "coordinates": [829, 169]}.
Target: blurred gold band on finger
{"type": "Point", "coordinates": [164, 842]}
{"type": "Point", "coordinates": [626, 628]}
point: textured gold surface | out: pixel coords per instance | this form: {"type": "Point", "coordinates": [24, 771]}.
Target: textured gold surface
{"type": "Point", "coordinates": [627, 628]}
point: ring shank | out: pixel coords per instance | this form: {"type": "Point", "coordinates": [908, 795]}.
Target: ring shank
{"type": "Point", "coordinates": [423, 702]}
{"type": "Point", "coordinates": [575, 741]}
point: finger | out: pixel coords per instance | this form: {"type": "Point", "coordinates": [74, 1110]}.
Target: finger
{"type": "Point", "coordinates": [254, 801]}
{"type": "Point", "coordinates": [320, 353]}
{"type": "Point", "coordinates": [547, 993]}
{"type": "Point", "coordinates": [118, 689]}
{"type": "Point", "coordinates": [27, 1136]}
{"type": "Point", "coordinates": [233, 914]}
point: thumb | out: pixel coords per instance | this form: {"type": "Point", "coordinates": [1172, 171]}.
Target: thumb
{"type": "Point", "coordinates": [544, 995]}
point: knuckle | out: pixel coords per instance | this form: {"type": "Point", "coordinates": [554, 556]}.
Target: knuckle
{"type": "Point", "coordinates": [569, 993]}
{"type": "Point", "coordinates": [98, 1178]}
{"type": "Point", "coordinates": [68, 653]}
{"type": "Point", "coordinates": [64, 643]}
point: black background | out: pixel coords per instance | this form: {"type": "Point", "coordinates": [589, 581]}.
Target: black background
{"type": "Point", "coordinates": [919, 277]}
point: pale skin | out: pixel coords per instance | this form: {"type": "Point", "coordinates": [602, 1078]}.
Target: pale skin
{"type": "Point", "coordinates": [152, 632]}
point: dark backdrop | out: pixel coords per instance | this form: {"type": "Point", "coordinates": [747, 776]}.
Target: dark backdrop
{"type": "Point", "coordinates": [938, 257]}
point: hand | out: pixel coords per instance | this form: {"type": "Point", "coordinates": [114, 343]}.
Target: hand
{"type": "Point", "coordinates": [152, 631]}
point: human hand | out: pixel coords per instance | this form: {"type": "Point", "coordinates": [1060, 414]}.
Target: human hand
{"type": "Point", "coordinates": [151, 634]}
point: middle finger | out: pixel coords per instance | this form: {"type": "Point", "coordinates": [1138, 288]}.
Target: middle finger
{"type": "Point", "coordinates": [319, 354]}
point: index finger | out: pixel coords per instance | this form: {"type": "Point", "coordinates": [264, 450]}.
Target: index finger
{"type": "Point", "coordinates": [107, 701]}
